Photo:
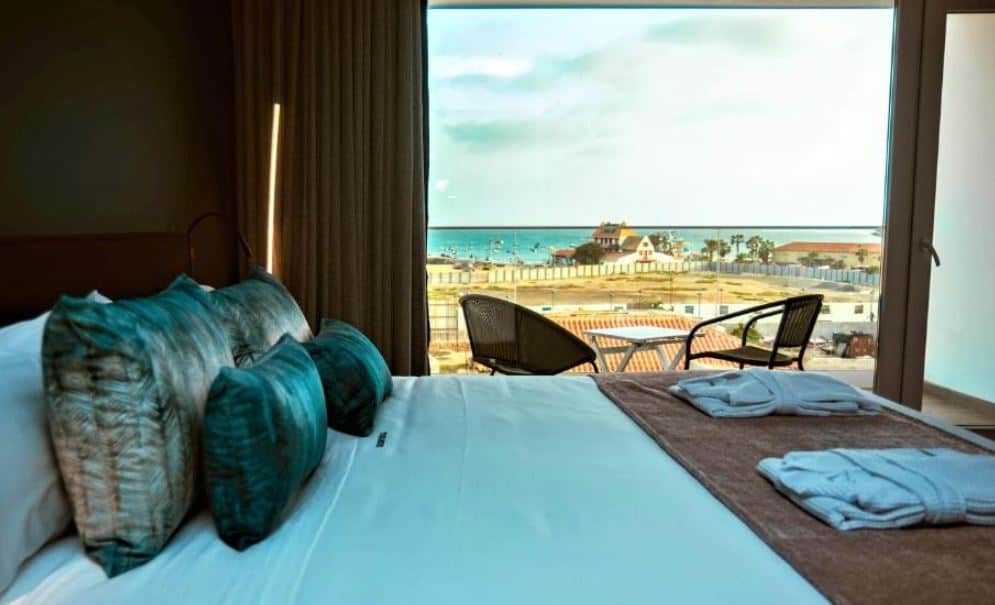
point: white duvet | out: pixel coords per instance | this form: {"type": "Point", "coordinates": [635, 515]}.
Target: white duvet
{"type": "Point", "coordinates": [486, 490]}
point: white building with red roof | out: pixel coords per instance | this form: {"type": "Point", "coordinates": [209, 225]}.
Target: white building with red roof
{"type": "Point", "coordinates": [642, 252]}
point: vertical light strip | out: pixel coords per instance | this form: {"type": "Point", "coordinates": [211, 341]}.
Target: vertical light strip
{"type": "Point", "coordinates": [271, 209]}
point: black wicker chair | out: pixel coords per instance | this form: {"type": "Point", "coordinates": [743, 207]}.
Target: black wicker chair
{"type": "Point", "coordinates": [798, 317]}
{"type": "Point", "coordinates": [511, 339]}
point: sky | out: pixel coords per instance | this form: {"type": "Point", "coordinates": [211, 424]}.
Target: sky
{"type": "Point", "coordinates": [658, 116]}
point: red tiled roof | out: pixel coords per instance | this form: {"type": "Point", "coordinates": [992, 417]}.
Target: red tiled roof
{"type": "Point", "coordinates": [828, 247]}
{"type": "Point", "coordinates": [646, 361]}
{"type": "Point", "coordinates": [565, 253]}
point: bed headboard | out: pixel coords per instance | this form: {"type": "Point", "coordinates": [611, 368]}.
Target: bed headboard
{"type": "Point", "coordinates": [119, 266]}
{"type": "Point", "coordinates": [40, 269]}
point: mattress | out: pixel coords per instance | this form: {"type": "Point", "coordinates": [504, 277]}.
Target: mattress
{"type": "Point", "coordinates": [481, 490]}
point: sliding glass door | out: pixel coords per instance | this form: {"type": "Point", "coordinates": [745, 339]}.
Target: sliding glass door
{"type": "Point", "coordinates": [949, 364]}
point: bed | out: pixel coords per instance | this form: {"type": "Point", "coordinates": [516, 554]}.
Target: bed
{"type": "Point", "coordinates": [472, 489]}
{"type": "Point", "coordinates": [484, 490]}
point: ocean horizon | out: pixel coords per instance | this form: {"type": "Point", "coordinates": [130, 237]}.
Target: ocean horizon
{"type": "Point", "coordinates": [534, 244]}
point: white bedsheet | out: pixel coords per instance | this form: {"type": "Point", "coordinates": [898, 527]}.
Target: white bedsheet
{"type": "Point", "coordinates": [487, 490]}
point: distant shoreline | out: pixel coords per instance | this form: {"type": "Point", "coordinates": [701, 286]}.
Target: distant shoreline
{"type": "Point", "coordinates": [674, 227]}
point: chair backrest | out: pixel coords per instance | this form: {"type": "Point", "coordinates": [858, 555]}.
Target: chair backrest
{"type": "Point", "coordinates": [491, 326]}
{"type": "Point", "coordinates": [512, 335]}
{"type": "Point", "coordinates": [798, 321]}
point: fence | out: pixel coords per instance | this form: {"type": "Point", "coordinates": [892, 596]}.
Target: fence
{"type": "Point", "coordinates": [444, 321]}
{"type": "Point", "coordinates": [519, 274]}
{"type": "Point", "coordinates": [848, 276]}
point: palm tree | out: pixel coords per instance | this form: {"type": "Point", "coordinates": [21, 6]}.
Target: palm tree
{"type": "Point", "coordinates": [661, 241]}
{"type": "Point", "coordinates": [723, 248]}
{"type": "Point", "coordinates": [708, 251]}
{"type": "Point", "coordinates": [766, 251]}
{"type": "Point", "coordinates": [861, 255]}
{"type": "Point", "coordinates": [710, 248]}
{"type": "Point", "coordinates": [736, 239]}
{"type": "Point", "coordinates": [753, 245]}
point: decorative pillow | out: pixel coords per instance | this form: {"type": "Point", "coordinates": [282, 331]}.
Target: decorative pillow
{"type": "Point", "coordinates": [33, 506]}
{"type": "Point", "coordinates": [257, 312]}
{"type": "Point", "coordinates": [354, 376]}
{"type": "Point", "coordinates": [126, 385]}
{"type": "Point", "coordinates": [264, 432]}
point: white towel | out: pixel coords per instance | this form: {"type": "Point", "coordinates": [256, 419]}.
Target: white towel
{"type": "Point", "coordinates": [756, 392]}
{"type": "Point", "coordinates": [882, 489]}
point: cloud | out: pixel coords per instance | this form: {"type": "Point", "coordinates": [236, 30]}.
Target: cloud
{"type": "Point", "coordinates": [688, 117]}
{"type": "Point", "coordinates": [442, 185]}
{"type": "Point", "coordinates": [543, 73]}
{"type": "Point", "coordinates": [491, 135]}
{"type": "Point", "coordinates": [745, 32]}
{"type": "Point", "coordinates": [449, 67]}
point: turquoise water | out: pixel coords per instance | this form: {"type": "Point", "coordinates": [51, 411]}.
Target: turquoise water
{"type": "Point", "coordinates": [533, 245]}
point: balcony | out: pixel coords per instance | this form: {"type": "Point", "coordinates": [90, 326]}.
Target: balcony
{"type": "Point", "coordinates": [674, 295]}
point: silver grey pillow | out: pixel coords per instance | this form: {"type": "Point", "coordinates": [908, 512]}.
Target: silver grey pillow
{"type": "Point", "coordinates": [256, 312]}
{"type": "Point", "coordinates": [126, 385]}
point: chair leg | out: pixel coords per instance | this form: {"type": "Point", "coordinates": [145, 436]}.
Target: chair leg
{"type": "Point", "coordinates": [493, 371]}
{"type": "Point", "coordinates": [741, 365]}
{"type": "Point", "coordinates": [595, 366]}
{"type": "Point", "coordinates": [801, 366]}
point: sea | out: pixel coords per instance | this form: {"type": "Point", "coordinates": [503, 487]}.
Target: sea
{"type": "Point", "coordinates": [534, 245]}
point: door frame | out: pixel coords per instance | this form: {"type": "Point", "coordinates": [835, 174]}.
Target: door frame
{"type": "Point", "coordinates": [903, 126]}
{"type": "Point", "coordinates": [917, 92]}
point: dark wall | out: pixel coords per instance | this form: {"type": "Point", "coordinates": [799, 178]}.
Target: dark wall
{"type": "Point", "coordinates": [117, 117]}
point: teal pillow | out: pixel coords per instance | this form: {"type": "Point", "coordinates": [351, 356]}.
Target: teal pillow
{"type": "Point", "coordinates": [264, 432]}
{"type": "Point", "coordinates": [256, 312]}
{"type": "Point", "coordinates": [125, 385]}
{"type": "Point", "coordinates": [354, 376]}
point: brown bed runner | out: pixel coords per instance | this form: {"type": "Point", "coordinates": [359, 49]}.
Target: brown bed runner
{"type": "Point", "coordinates": [953, 564]}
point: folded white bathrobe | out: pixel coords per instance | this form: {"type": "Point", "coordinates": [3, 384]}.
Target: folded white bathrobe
{"type": "Point", "coordinates": [880, 489]}
{"type": "Point", "coordinates": [757, 392]}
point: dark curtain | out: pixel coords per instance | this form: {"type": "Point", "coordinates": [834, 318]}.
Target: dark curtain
{"type": "Point", "coordinates": [256, 36]}
{"type": "Point", "coordinates": [351, 219]}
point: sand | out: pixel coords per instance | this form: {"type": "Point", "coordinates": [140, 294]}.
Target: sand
{"type": "Point", "coordinates": [660, 288]}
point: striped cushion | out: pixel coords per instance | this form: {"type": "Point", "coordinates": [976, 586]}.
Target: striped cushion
{"type": "Point", "coordinates": [354, 376]}
{"type": "Point", "coordinates": [257, 312]}
{"type": "Point", "coordinates": [264, 432]}
{"type": "Point", "coordinates": [126, 385]}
